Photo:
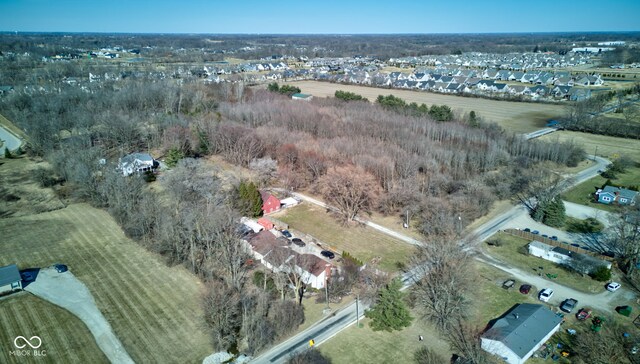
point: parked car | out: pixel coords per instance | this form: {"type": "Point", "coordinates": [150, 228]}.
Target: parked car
{"type": "Point", "coordinates": [545, 235]}
{"type": "Point", "coordinates": [327, 254]}
{"type": "Point", "coordinates": [535, 232]}
{"type": "Point", "coordinates": [525, 288]}
{"type": "Point", "coordinates": [508, 283]}
{"type": "Point", "coordinates": [553, 237]}
{"type": "Point", "coordinates": [545, 295]}
{"type": "Point", "coordinates": [613, 286]}
{"type": "Point", "coordinates": [583, 314]}
{"type": "Point", "coordinates": [527, 230]}
{"type": "Point", "coordinates": [61, 268]}
{"type": "Point", "coordinates": [298, 242]}
{"type": "Point", "coordinates": [27, 276]}
{"type": "Point", "coordinates": [286, 233]}
{"type": "Point", "coordinates": [568, 305]}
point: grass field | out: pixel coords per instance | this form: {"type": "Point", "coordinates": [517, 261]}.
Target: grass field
{"type": "Point", "coordinates": [582, 193]}
{"type": "Point", "coordinates": [363, 243]}
{"type": "Point", "coordinates": [608, 146]}
{"type": "Point", "coordinates": [65, 339]}
{"type": "Point", "coordinates": [154, 310]}
{"type": "Point", "coordinates": [511, 252]}
{"type": "Point", "coordinates": [363, 345]}
{"type": "Point", "coordinates": [519, 117]}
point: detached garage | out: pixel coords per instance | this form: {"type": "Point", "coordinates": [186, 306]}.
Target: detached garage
{"type": "Point", "coordinates": [10, 279]}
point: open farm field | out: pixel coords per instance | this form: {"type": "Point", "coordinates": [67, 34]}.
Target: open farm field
{"type": "Point", "coordinates": [154, 310]}
{"type": "Point", "coordinates": [65, 339]}
{"type": "Point", "coordinates": [363, 243]}
{"type": "Point", "coordinates": [519, 117]}
{"type": "Point", "coordinates": [608, 146]}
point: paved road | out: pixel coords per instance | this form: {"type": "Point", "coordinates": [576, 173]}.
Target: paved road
{"type": "Point", "coordinates": [539, 133]}
{"type": "Point", "coordinates": [9, 140]}
{"type": "Point", "coordinates": [331, 326]}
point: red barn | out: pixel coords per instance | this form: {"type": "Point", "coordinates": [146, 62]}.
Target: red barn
{"type": "Point", "coordinates": [270, 203]}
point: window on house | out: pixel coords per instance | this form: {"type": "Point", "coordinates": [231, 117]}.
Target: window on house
{"type": "Point", "coordinates": [605, 198]}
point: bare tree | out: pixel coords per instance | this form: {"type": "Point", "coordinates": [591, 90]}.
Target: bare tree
{"type": "Point", "coordinates": [222, 314]}
{"type": "Point", "coordinates": [603, 347]}
{"type": "Point", "coordinates": [536, 188]}
{"type": "Point", "coordinates": [350, 189]}
{"type": "Point", "coordinates": [465, 341]}
{"type": "Point", "coordinates": [444, 274]}
{"type": "Point", "coordinates": [266, 169]}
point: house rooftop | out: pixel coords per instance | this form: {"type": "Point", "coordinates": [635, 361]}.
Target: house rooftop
{"type": "Point", "coordinates": [9, 274]}
{"type": "Point", "coordinates": [264, 241]}
{"type": "Point", "coordinates": [301, 96]}
{"type": "Point", "coordinates": [523, 327]}
{"type": "Point", "coordinates": [623, 192]}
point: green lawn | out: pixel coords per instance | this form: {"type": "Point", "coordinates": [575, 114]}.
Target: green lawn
{"type": "Point", "coordinates": [493, 300]}
{"type": "Point", "coordinates": [363, 345]}
{"type": "Point", "coordinates": [582, 193]}
{"type": "Point", "coordinates": [362, 242]}
{"type": "Point", "coordinates": [512, 251]}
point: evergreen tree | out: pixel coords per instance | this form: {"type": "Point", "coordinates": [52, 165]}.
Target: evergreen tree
{"type": "Point", "coordinates": [249, 200]}
{"type": "Point", "coordinates": [554, 213]}
{"type": "Point", "coordinates": [390, 312]}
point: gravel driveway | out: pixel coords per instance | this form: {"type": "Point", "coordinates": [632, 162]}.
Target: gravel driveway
{"type": "Point", "coordinates": [66, 291]}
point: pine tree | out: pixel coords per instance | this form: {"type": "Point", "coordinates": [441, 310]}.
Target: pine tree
{"type": "Point", "coordinates": [255, 200]}
{"type": "Point", "coordinates": [554, 213]}
{"type": "Point", "coordinates": [390, 312]}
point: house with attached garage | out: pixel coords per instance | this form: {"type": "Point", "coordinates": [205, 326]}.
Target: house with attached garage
{"type": "Point", "coordinates": [610, 194]}
{"type": "Point", "coordinates": [520, 332]}
{"type": "Point", "coordinates": [10, 279]}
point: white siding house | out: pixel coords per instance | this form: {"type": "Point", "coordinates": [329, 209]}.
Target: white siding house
{"type": "Point", "coordinates": [520, 332]}
{"type": "Point", "coordinates": [548, 252]}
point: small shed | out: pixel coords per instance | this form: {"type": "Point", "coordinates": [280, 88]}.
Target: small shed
{"type": "Point", "coordinates": [10, 279]}
{"type": "Point", "coordinates": [264, 222]}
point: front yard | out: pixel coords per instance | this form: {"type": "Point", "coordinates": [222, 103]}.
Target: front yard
{"type": "Point", "coordinates": [513, 250]}
{"type": "Point", "coordinates": [583, 193]}
{"type": "Point", "coordinates": [363, 243]}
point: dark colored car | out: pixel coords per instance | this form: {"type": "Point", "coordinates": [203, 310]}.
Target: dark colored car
{"type": "Point", "coordinates": [545, 235]}
{"type": "Point", "coordinates": [535, 232]}
{"type": "Point", "coordinates": [61, 268]}
{"type": "Point", "coordinates": [525, 288]}
{"type": "Point", "coordinates": [298, 242]}
{"type": "Point", "coordinates": [286, 233]}
{"type": "Point", "coordinates": [327, 254]}
{"type": "Point", "coordinates": [27, 276]}
{"type": "Point", "coordinates": [527, 230]}
{"type": "Point", "coordinates": [568, 305]}
{"type": "Point", "coordinates": [554, 238]}
{"type": "Point", "coordinates": [576, 245]}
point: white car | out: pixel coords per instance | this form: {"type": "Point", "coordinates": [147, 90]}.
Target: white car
{"type": "Point", "coordinates": [545, 294]}
{"type": "Point", "coordinates": [613, 286]}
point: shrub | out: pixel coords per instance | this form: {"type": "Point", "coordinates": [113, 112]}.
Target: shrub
{"type": "Point", "coordinates": [601, 274]}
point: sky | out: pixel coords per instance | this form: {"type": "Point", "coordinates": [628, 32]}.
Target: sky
{"type": "Point", "coordinates": [319, 17]}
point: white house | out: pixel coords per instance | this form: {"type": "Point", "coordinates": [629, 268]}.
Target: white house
{"type": "Point", "coordinates": [548, 252]}
{"type": "Point", "coordinates": [137, 162]}
{"type": "Point", "coordinates": [10, 279]}
{"type": "Point", "coordinates": [580, 262]}
{"type": "Point", "coordinates": [520, 332]}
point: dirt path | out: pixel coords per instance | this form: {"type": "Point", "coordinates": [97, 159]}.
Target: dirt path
{"type": "Point", "coordinates": [66, 291]}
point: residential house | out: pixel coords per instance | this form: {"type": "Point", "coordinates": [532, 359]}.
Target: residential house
{"type": "Point", "coordinates": [10, 279]}
{"type": "Point", "coordinates": [579, 94]}
{"type": "Point", "coordinates": [251, 224]}
{"type": "Point", "coordinates": [264, 243]}
{"type": "Point", "coordinates": [520, 332]}
{"type": "Point", "coordinates": [313, 270]}
{"type": "Point", "coordinates": [5, 89]}
{"type": "Point", "coordinates": [580, 262]}
{"type": "Point", "coordinates": [136, 163]}
{"type": "Point", "coordinates": [270, 203]}
{"type": "Point", "coordinates": [548, 252]}
{"type": "Point", "coordinates": [610, 194]}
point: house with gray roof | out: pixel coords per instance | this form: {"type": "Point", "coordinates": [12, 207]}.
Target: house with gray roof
{"type": "Point", "coordinates": [137, 163]}
{"type": "Point", "coordinates": [10, 279]}
{"type": "Point", "coordinates": [520, 332]}
{"type": "Point", "coordinates": [622, 196]}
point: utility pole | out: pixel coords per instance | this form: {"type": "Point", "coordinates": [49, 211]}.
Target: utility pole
{"type": "Point", "coordinates": [595, 154]}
